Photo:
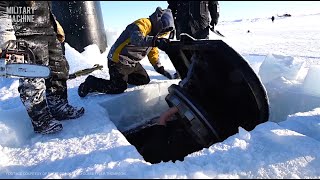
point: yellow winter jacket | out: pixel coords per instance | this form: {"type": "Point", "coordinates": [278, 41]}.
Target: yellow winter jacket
{"type": "Point", "coordinates": [137, 41]}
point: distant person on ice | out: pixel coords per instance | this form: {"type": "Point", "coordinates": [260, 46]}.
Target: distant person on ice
{"type": "Point", "coordinates": [141, 38]}
{"type": "Point", "coordinates": [272, 18]}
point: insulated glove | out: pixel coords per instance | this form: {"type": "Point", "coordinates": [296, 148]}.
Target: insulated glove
{"type": "Point", "coordinates": [214, 22]}
{"type": "Point", "coordinates": [163, 72]}
{"type": "Point", "coordinates": [162, 43]}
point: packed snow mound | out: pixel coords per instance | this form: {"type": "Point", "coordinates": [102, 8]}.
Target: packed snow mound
{"type": "Point", "coordinates": [275, 66]}
{"type": "Point", "coordinates": [310, 84]}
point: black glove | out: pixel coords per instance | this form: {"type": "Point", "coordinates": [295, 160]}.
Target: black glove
{"type": "Point", "coordinates": [162, 43]}
{"type": "Point", "coordinates": [163, 72]}
{"type": "Point", "coordinates": [214, 22]}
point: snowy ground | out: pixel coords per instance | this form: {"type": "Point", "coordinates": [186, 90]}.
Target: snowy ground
{"type": "Point", "coordinates": [284, 54]}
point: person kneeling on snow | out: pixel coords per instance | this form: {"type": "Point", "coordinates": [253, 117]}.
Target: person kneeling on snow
{"type": "Point", "coordinates": [140, 38]}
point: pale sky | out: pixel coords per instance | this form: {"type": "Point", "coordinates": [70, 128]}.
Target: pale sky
{"type": "Point", "coordinates": [118, 14]}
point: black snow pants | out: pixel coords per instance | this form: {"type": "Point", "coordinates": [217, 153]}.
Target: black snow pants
{"type": "Point", "coordinates": [120, 75]}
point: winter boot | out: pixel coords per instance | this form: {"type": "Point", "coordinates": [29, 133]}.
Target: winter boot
{"type": "Point", "coordinates": [94, 84]}
{"type": "Point", "coordinates": [57, 99]}
{"type": "Point", "coordinates": [86, 86]}
{"type": "Point", "coordinates": [68, 112]}
{"type": "Point", "coordinates": [49, 127]}
{"type": "Point", "coordinates": [33, 97]}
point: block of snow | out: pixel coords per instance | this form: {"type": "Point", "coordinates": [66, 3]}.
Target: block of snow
{"type": "Point", "coordinates": [311, 84]}
{"type": "Point", "coordinates": [255, 61]}
{"type": "Point", "coordinates": [135, 108]}
{"type": "Point", "coordinates": [244, 134]}
{"type": "Point", "coordinates": [275, 66]}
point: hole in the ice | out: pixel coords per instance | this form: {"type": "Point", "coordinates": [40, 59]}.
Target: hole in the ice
{"type": "Point", "coordinates": [135, 114]}
{"type": "Point", "coordinates": [158, 143]}
{"type": "Point", "coordinates": [288, 99]}
{"type": "Point", "coordinates": [290, 84]}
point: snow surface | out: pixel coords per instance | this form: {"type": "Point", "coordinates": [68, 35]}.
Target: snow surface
{"type": "Point", "coordinates": [287, 146]}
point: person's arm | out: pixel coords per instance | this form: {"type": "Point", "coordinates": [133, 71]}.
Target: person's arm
{"type": "Point", "coordinates": [214, 10]}
{"type": "Point", "coordinates": [140, 30]}
{"type": "Point", "coordinates": [153, 57]}
{"type": "Point", "coordinates": [166, 116]}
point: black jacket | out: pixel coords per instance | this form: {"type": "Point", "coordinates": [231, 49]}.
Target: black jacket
{"type": "Point", "coordinates": [195, 13]}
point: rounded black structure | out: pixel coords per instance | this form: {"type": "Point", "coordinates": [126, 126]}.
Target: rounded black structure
{"type": "Point", "coordinates": [82, 23]}
{"type": "Point", "coordinates": [219, 91]}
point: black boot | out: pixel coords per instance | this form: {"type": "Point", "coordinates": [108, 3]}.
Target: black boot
{"type": "Point", "coordinates": [33, 97]}
{"type": "Point", "coordinates": [57, 99]}
{"type": "Point", "coordinates": [68, 112]}
{"type": "Point", "coordinates": [87, 86]}
{"type": "Point", "coordinates": [49, 127]}
{"type": "Point", "coordinates": [94, 84]}
{"type": "Point", "coordinates": [42, 121]}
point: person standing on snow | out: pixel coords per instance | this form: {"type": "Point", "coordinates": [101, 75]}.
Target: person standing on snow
{"type": "Point", "coordinates": [141, 38]}
{"type": "Point", "coordinates": [46, 100]}
{"type": "Point", "coordinates": [272, 18]}
{"type": "Point", "coordinates": [193, 17]}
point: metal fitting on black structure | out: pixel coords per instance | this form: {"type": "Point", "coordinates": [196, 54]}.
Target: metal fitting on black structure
{"type": "Point", "coordinates": [82, 22]}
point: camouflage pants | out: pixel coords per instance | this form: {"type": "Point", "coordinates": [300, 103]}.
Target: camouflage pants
{"type": "Point", "coordinates": [45, 97]}
{"type": "Point", "coordinates": [6, 28]}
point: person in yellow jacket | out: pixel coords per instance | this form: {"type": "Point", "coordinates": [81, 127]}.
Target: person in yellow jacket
{"type": "Point", "coordinates": [141, 38]}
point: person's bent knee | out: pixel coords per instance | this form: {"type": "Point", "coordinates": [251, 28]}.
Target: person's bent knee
{"type": "Point", "coordinates": [122, 86]}
{"type": "Point", "coordinates": [144, 81]}
{"type": "Point", "coordinates": [119, 88]}
{"type": "Point", "coordinates": [147, 81]}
